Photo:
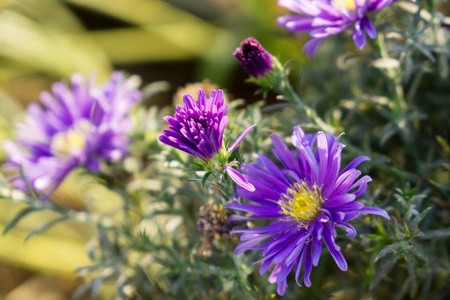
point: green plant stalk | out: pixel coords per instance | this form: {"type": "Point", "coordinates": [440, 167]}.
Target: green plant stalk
{"type": "Point", "coordinates": [400, 104]}
{"type": "Point", "coordinates": [288, 92]}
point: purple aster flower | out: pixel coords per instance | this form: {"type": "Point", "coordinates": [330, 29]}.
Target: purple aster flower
{"type": "Point", "coordinates": [197, 127]}
{"type": "Point", "coordinates": [323, 18]}
{"type": "Point", "coordinates": [254, 58]}
{"type": "Point", "coordinates": [306, 199]}
{"type": "Point", "coordinates": [75, 126]}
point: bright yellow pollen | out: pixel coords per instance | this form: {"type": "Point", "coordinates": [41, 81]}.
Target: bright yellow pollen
{"type": "Point", "coordinates": [301, 202]}
{"type": "Point", "coordinates": [65, 144]}
{"type": "Point", "coordinates": [347, 4]}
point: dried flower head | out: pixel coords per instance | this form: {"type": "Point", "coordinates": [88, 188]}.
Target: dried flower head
{"type": "Point", "coordinates": [213, 222]}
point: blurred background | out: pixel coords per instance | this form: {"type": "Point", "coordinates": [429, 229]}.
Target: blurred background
{"type": "Point", "coordinates": [42, 41]}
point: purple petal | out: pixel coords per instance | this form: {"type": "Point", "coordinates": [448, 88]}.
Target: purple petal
{"type": "Point", "coordinates": [339, 200]}
{"type": "Point", "coordinates": [239, 179]}
{"type": "Point", "coordinates": [240, 138]}
{"type": "Point", "coordinates": [355, 162]}
{"type": "Point", "coordinates": [310, 47]}
{"type": "Point", "coordinates": [308, 265]}
{"type": "Point", "coordinates": [369, 28]}
{"type": "Point", "coordinates": [374, 211]}
{"type": "Point", "coordinates": [256, 210]}
{"type": "Point", "coordinates": [358, 36]}
{"type": "Point", "coordinates": [334, 249]}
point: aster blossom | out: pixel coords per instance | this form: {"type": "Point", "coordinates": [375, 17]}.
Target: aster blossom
{"type": "Point", "coordinates": [323, 18]}
{"type": "Point", "coordinates": [305, 199]}
{"type": "Point", "coordinates": [197, 128]}
{"type": "Point", "coordinates": [77, 125]}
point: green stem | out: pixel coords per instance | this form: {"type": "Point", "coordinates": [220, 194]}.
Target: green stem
{"type": "Point", "coordinates": [394, 76]}
{"type": "Point", "coordinates": [287, 91]}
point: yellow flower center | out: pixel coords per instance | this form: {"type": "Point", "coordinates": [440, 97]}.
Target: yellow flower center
{"type": "Point", "coordinates": [301, 202]}
{"type": "Point", "coordinates": [71, 142]}
{"type": "Point", "coordinates": [346, 4]}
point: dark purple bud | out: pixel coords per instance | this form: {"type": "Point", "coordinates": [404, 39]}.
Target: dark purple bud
{"type": "Point", "coordinates": [254, 58]}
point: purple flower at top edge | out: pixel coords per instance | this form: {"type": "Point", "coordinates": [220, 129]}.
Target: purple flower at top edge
{"type": "Point", "coordinates": [197, 127]}
{"type": "Point", "coordinates": [75, 126]}
{"type": "Point", "coordinates": [322, 18]}
{"type": "Point", "coordinates": [305, 199]}
{"type": "Point", "coordinates": [254, 58]}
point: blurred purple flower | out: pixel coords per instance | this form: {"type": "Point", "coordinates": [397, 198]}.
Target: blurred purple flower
{"type": "Point", "coordinates": [197, 127]}
{"type": "Point", "coordinates": [75, 126]}
{"type": "Point", "coordinates": [323, 18]}
{"type": "Point", "coordinates": [307, 199]}
{"type": "Point", "coordinates": [254, 58]}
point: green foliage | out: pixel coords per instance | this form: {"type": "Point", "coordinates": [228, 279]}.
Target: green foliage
{"type": "Point", "coordinates": [402, 240]}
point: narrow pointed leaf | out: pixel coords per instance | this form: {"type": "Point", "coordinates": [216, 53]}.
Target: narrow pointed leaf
{"type": "Point", "coordinates": [18, 217]}
{"type": "Point", "coordinates": [386, 250]}
{"type": "Point", "coordinates": [421, 253]}
{"type": "Point", "coordinates": [415, 222]}
{"type": "Point", "coordinates": [81, 291]}
{"type": "Point", "coordinates": [383, 269]}
{"type": "Point", "coordinates": [436, 234]}
{"type": "Point", "coordinates": [410, 267]}
{"type": "Point", "coordinates": [45, 227]}
{"type": "Point", "coordinates": [205, 178]}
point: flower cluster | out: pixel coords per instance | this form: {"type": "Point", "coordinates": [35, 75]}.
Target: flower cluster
{"type": "Point", "coordinates": [306, 199]}
{"type": "Point", "coordinates": [75, 126]}
{"type": "Point", "coordinates": [323, 18]}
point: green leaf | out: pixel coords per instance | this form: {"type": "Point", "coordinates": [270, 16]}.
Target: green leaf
{"type": "Point", "coordinates": [398, 232]}
{"type": "Point", "coordinates": [410, 267]}
{"type": "Point", "coordinates": [45, 227]}
{"type": "Point", "coordinates": [81, 290]}
{"type": "Point", "coordinates": [96, 285]}
{"type": "Point", "coordinates": [383, 269]}
{"type": "Point", "coordinates": [205, 178]}
{"type": "Point", "coordinates": [436, 234]}
{"type": "Point", "coordinates": [104, 240]}
{"type": "Point", "coordinates": [425, 51]}
{"type": "Point", "coordinates": [415, 222]}
{"type": "Point", "coordinates": [30, 190]}
{"type": "Point", "coordinates": [421, 253]}
{"type": "Point", "coordinates": [385, 251]}
{"type": "Point", "coordinates": [18, 217]}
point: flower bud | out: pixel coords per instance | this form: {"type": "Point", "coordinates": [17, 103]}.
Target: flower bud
{"type": "Point", "coordinates": [254, 58]}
